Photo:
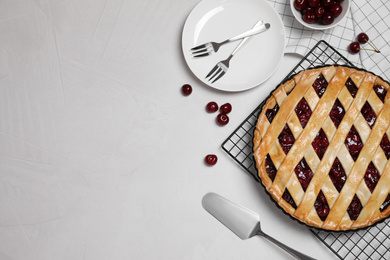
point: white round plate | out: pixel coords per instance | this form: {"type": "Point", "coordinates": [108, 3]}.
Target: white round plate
{"type": "Point", "coordinates": [218, 20]}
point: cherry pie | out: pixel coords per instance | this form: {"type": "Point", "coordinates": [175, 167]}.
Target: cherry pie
{"type": "Point", "coordinates": [322, 148]}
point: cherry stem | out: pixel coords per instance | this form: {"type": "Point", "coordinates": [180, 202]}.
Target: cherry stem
{"type": "Point", "coordinates": [377, 51]}
{"type": "Point", "coordinates": [374, 49]}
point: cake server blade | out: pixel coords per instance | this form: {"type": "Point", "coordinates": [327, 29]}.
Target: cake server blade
{"type": "Point", "coordinates": [241, 221]}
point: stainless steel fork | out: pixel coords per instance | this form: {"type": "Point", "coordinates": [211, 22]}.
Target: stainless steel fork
{"type": "Point", "coordinates": [212, 47]}
{"type": "Point", "coordinates": [221, 68]}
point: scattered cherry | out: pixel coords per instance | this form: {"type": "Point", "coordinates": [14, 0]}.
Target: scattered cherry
{"type": "Point", "coordinates": [222, 119]}
{"type": "Point", "coordinates": [211, 159]}
{"type": "Point", "coordinates": [354, 47]}
{"type": "Point", "coordinates": [362, 38]}
{"type": "Point", "coordinates": [226, 108]}
{"type": "Point", "coordinates": [212, 107]}
{"type": "Point", "coordinates": [186, 89]}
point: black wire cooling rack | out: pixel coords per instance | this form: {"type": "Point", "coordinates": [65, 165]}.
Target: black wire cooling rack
{"type": "Point", "coordinates": [370, 243]}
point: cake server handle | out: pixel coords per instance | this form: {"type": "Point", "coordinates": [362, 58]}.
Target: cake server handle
{"type": "Point", "coordinates": [288, 249]}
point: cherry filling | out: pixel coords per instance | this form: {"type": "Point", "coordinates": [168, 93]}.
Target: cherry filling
{"type": "Point", "coordinates": [385, 204]}
{"type": "Point", "coordinates": [337, 113]}
{"type": "Point", "coordinates": [385, 144]}
{"type": "Point", "coordinates": [270, 167]}
{"type": "Point", "coordinates": [354, 208]}
{"type": "Point", "coordinates": [321, 206]}
{"type": "Point", "coordinates": [369, 114]}
{"type": "Point", "coordinates": [337, 175]}
{"type": "Point", "coordinates": [304, 173]}
{"type": "Point", "coordinates": [371, 177]}
{"type": "Point", "coordinates": [320, 85]}
{"type": "Point", "coordinates": [286, 139]}
{"type": "Point", "coordinates": [320, 143]}
{"type": "Point", "coordinates": [271, 112]}
{"type": "Point", "coordinates": [381, 92]}
{"type": "Point", "coordinates": [303, 112]}
{"type": "Point", "coordinates": [351, 87]}
{"type": "Point", "coordinates": [287, 197]}
{"type": "Point", "coordinates": [353, 143]}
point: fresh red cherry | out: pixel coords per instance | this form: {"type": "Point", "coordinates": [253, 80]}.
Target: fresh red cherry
{"type": "Point", "coordinates": [328, 18]}
{"type": "Point", "coordinates": [307, 9]}
{"type": "Point", "coordinates": [354, 47]}
{"type": "Point", "coordinates": [186, 89]}
{"type": "Point", "coordinates": [309, 17]}
{"type": "Point", "coordinates": [362, 38]}
{"type": "Point", "coordinates": [326, 3]}
{"type": "Point", "coordinates": [314, 3]}
{"type": "Point", "coordinates": [300, 4]}
{"type": "Point", "coordinates": [212, 107]}
{"type": "Point", "coordinates": [211, 159]}
{"type": "Point", "coordinates": [336, 9]}
{"type": "Point", "coordinates": [222, 119]}
{"type": "Point", "coordinates": [226, 108]}
{"type": "Point", "coordinates": [319, 11]}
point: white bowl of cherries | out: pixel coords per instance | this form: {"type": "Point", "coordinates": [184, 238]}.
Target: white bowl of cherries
{"type": "Point", "coordinates": [319, 14]}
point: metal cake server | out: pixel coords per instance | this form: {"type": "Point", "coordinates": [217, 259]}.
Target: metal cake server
{"type": "Point", "coordinates": [244, 222]}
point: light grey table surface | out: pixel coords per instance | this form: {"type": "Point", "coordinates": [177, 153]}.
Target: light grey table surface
{"type": "Point", "coordinates": [102, 156]}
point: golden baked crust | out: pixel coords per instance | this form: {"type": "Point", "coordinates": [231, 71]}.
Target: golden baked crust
{"type": "Point", "coordinates": [356, 184]}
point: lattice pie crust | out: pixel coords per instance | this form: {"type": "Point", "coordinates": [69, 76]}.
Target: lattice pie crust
{"type": "Point", "coordinates": [322, 150]}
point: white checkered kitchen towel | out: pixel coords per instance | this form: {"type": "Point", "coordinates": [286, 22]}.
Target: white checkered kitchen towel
{"type": "Point", "coordinates": [371, 17]}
